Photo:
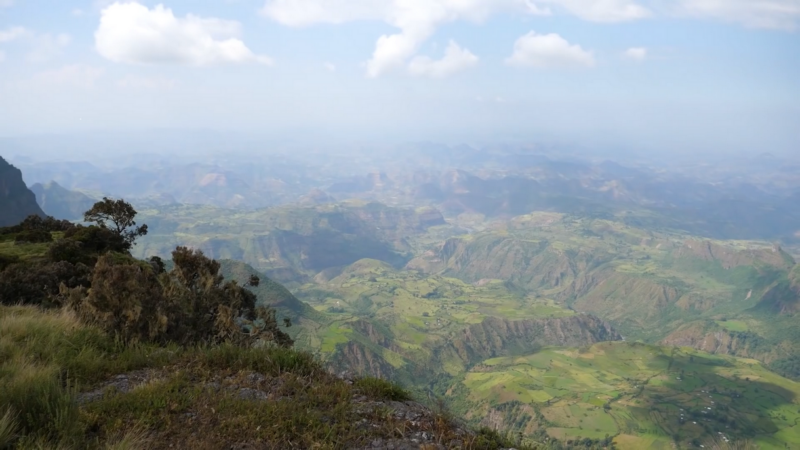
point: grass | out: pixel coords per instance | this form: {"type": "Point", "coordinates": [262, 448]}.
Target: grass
{"type": "Point", "coordinates": [59, 389]}
{"type": "Point", "coordinates": [381, 389]}
{"type": "Point", "coordinates": [22, 251]}
{"type": "Point", "coordinates": [733, 325]}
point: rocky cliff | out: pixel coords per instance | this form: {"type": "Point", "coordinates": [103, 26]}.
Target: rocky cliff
{"type": "Point", "coordinates": [499, 337]}
{"type": "Point", "coordinates": [16, 201]}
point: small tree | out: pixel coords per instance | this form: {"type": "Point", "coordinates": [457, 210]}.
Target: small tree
{"type": "Point", "coordinates": [116, 215]}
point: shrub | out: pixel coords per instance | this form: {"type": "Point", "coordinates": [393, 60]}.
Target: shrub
{"type": "Point", "coordinates": [39, 283]}
{"type": "Point", "coordinates": [7, 260]}
{"type": "Point", "coordinates": [124, 299]}
{"type": "Point", "coordinates": [34, 236]}
{"type": "Point", "coordinates": [97, 240]}
{"type": "Point", "coordinates": [71, 251]}
{"type": "Point", "coordinates": [191, 304]}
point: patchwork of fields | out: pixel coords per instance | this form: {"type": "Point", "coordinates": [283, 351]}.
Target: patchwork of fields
{"type": "Point", "coordinates": [645, 396]}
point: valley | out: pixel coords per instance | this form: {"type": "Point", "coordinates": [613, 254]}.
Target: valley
{"type": "Point", "coordinates": [558, 302]}
{"type": "Point", "coordinates": [548, 324]}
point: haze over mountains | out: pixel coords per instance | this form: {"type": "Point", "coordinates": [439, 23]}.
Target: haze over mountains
{"type": "Point", "coordinates": [735, 198]}
{"type": "Point", "coordinates": [481, 274]}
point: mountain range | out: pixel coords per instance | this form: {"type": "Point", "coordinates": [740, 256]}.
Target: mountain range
{"type": "Point", "coordinates": [561, 299]}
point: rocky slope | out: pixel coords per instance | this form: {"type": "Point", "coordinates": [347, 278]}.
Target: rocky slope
{"type": "Point", "coordinates": [502, 337]}
{"type": "Point", "coordinates": [16, 201]}
{"type": "Point", "coordinates": [61, 203]}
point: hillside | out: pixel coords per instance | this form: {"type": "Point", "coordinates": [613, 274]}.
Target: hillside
{"type": "Point", "coordinates": [61, 203]}
{"type": "Point", "coordinates": [658, 287]}
{"type": "Point", "coordinates": [146, 397]}
{"type": "Point", "coordinates": [290, 243]}
{"type": "Point", "coordinates": [637, 395]}
{"type": "Point", "coordinates": [16, 201]}
{"type": "Point", "coordinates": [232, 390]}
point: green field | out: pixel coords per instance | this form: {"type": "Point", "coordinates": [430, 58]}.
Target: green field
{"type": "Point", "coordinates": [392, 294]}
{"type": "Point", "coordinates": [639, 393]}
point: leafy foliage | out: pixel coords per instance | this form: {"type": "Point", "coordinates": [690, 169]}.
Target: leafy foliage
{"type": "Point", "coordinates": [39, 283]}
{"type": "Point", "coordinates": [119, 216]}
{"type": "Point", "coordinates": [34, 236]}
{"type": "Point", "coordinates": [190, 304]}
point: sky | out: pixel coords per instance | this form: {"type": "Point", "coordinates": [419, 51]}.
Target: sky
{"type": "Point", "coordinates": [714, 75]}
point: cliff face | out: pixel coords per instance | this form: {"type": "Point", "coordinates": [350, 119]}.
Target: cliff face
{"type": "Point", "coordinates": [16, 201]}
{"type": "Point", "coordinates": [359, 358]}
{"type": "Point", "coordinates": [499, 337]}
{"type": "Point", "coordinates": [713, 339]}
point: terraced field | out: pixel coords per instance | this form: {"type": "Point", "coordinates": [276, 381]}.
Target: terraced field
{"type": "Point", "coordinates": [643, 396]}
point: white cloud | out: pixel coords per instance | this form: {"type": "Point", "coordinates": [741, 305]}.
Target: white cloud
{"type": "Point", "coordinates": [133, 34]}
{"type": "Point", "coordinates": [548, 51]}
{"type": "Point", "coordinates": [6, 3]}
{"type": "Point", "coordinates": [635, 53]}
{"type": "Point", "coordinates": [47, 47]}
{"type": "Point", "coordinates": [775, 14]}
{"type": "Point", "coordinates": [13, 33]}
{"type": "Point", "coordinates": [455, 60]}
{"type": "Point", "coordinates": [330, 67]}
{"type": "Point", "coordinates": [76, 75]}
{"type": "Point", "coordinates": [145, 83]}
{"type": "Point", "coordinates": [417, 20]}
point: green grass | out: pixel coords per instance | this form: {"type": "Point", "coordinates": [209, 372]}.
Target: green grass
{"type": "Point", "coordinates": [185, 397]}
{"type": "Point", "coordinates": [733, 325]}
{"type": "Point", "coordinates": [22, 251]}
{"type": "Point", "coordinates": [646, 389]}
{"type": "Point", "coordinates": [381, 389]}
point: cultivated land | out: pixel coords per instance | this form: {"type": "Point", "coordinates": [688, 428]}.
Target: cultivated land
{"type": "Point", "coordinates": [466, 318]}
{"type": "Point", "coordinates": [645, 396]}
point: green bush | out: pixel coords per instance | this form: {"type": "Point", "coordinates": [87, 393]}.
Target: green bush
{"type": "Point", "coordinates": [189, 305]}
{"type": "Point", "coordinates": [33, 236]}
{"type": "Point", "coordinates": [38, 283]}
{"type": "Point", "coordinates": [97, 240]}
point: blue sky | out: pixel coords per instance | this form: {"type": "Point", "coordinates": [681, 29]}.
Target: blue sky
{"type": "Point", "coordinates": [720, 75]}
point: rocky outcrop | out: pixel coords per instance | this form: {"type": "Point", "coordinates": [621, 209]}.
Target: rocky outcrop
{"type": "Point", "coordinates": [713, 339]}
{"type": "Point", "coordinates": [500, 337]}
{"type": "Point", "coordinates": [730, 257]}
{"type": "Point", "coordinates": [782, 298]}
{"type": "Point", "coordinates": [359, 358]}
{"type": "Point", "coordinates": [16, 201]}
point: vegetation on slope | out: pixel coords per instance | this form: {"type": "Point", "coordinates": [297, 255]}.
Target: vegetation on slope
{"type": "Point", "coordinates": [650, 286]}
{"type": "Point", "coordinates": [640, 396]}
{"type": "Point", "coordinates": [135, 356]}
{"type": "Point", "coordinates": [64, 384]}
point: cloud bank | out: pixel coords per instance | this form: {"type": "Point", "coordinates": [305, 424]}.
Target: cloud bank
{"type": "Point", "coordinates": [418, 20]}
{"type": "Point", "coordinates": [132, 33]}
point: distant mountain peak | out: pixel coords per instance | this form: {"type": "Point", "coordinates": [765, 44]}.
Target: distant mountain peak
{"type": "Point", "coordinates": [60, 202]}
